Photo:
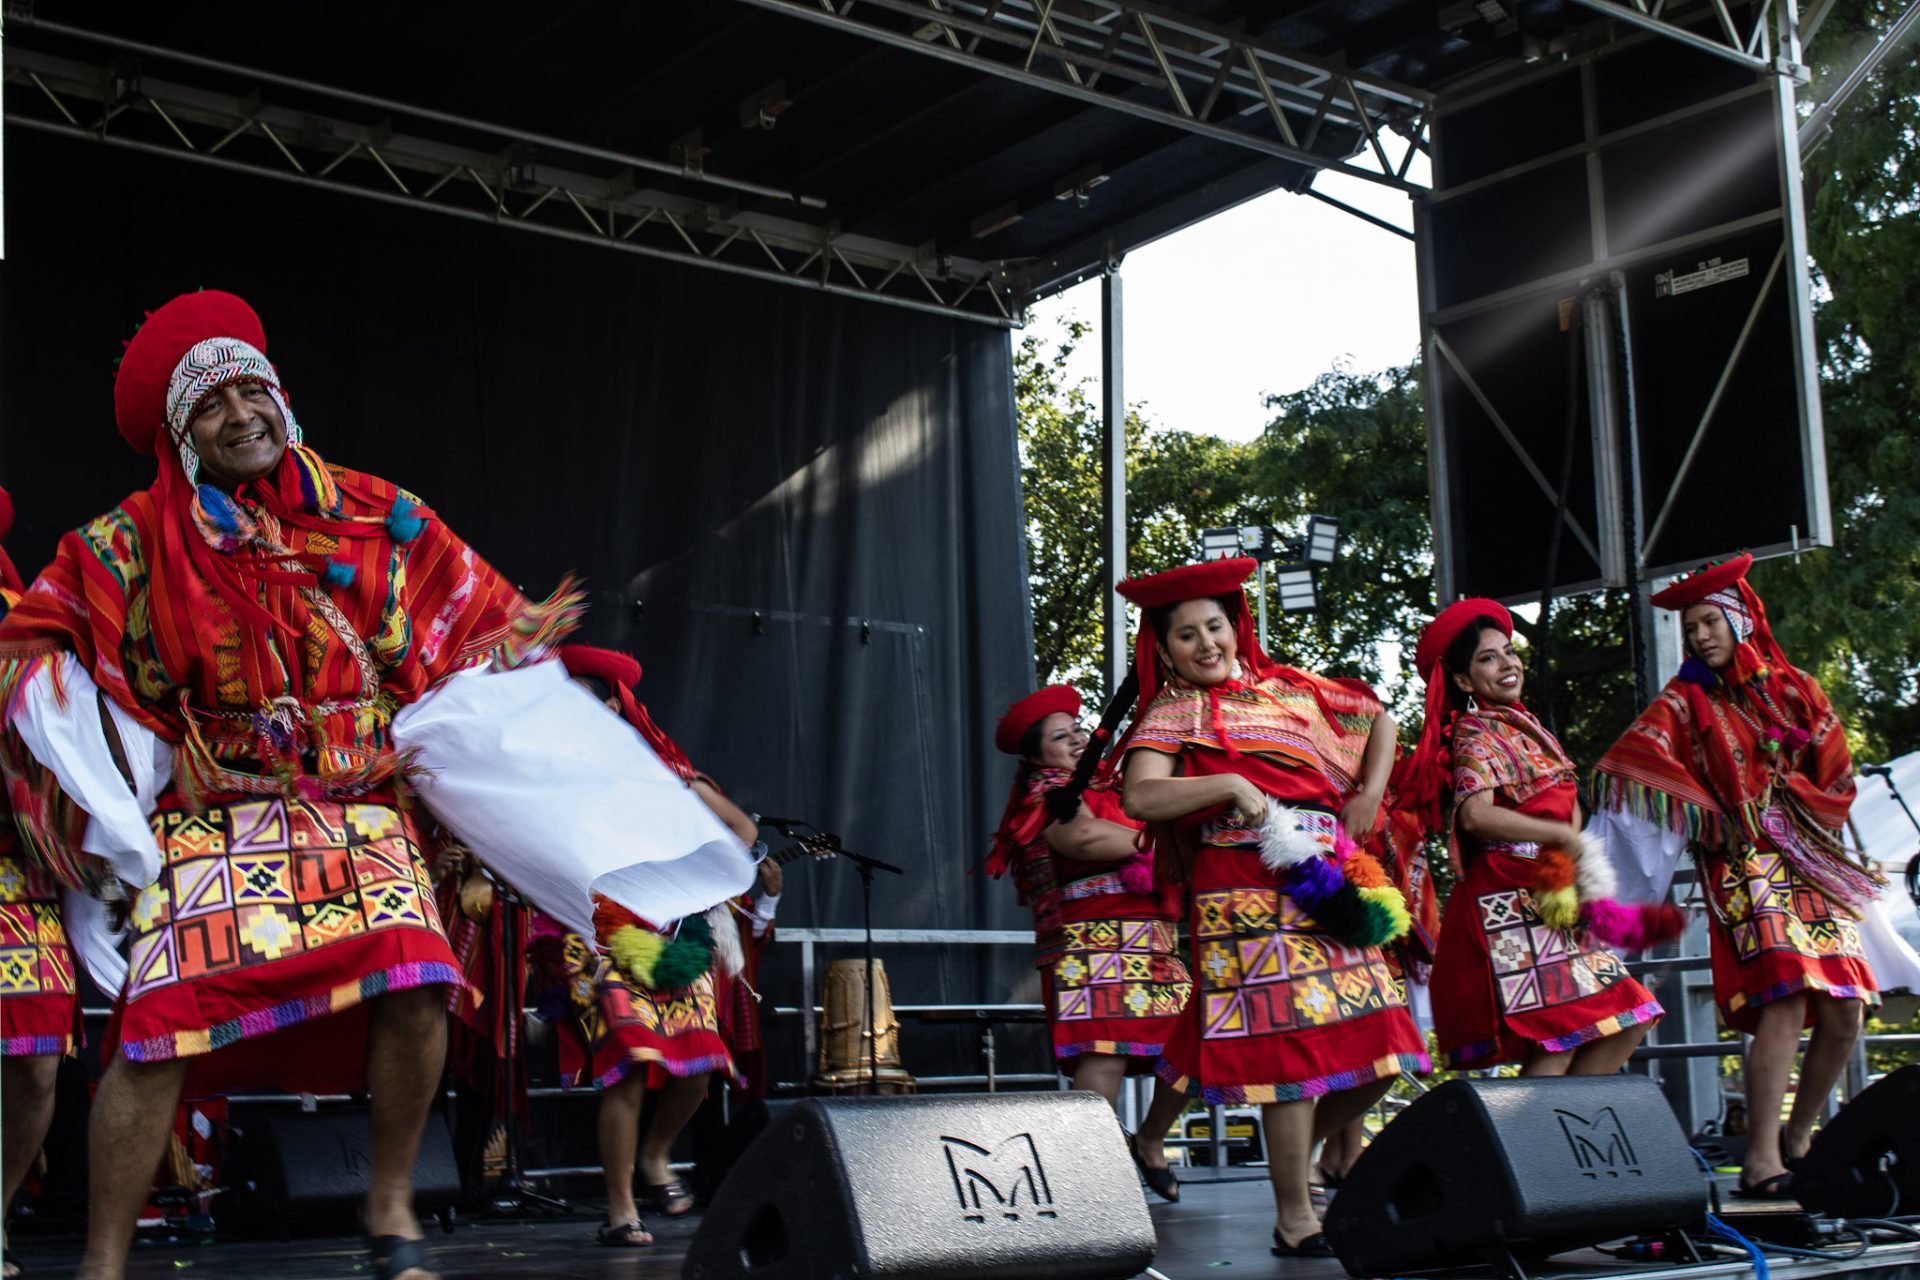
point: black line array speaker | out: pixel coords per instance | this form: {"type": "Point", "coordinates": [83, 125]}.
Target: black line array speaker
{"type": "Point", "coordinates": [310, 1168]}
{"type": "Point", "coordinates": [1498, 1170]}
{"type": "Point", "coordinates": [1866, 1162]}
{"type": "Point", "coordinates": [983, 1186]}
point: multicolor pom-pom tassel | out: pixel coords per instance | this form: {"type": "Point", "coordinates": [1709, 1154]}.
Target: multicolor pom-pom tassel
{"type": "Point", "coordinates": [645, 958]}
{"type": "Point", "coordinates": [1554, 897]}
{"type": "Point", "coordinates": [339, 572]}
{"type": "Point", "coordinates": [1346, 893]}
{"type": "Point", "coordinates": [1136, 873]}
{"type": "Point", "coordinates": [402, 523]}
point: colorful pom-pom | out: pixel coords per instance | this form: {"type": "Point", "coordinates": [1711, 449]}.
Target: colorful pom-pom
{"type": "Point", "coordinates": [1558, 908]}
{"type": "Point", "coordinates": [1312, 882]}
{"type": "Point", "coordinates": [1796, 737]}
{"type": "Point", "coordinates": [685, 958]}
{"type": "Point", "coordinates": [1552, 871]}
{"type": "Point", "coordinates": [338, 573]}
{"type": "Point", "coordinates": [1363, 871]}
{"type": "Point", "coordinates": [1136, 873]}
{"type": "Point", "coordinates": [636, 953]}
{"type": "Point", "coordinates": [1389, 903]}
{"type": "Point", "coordinates": [402, 524]}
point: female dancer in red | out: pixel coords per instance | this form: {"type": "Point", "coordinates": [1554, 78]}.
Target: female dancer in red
{"type": "Point", "coordinates": [1104, 935]}
{"type": "Point", "coordinates": [1741, 758]}
{"type": "Point", "coordinates": [1262, 779]}
{"type": "Point", "coordinates": [1508, 984]}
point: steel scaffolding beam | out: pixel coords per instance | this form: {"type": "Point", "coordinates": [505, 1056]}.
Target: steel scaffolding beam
{"type": "Point", "coordinates": [479, 173]}
{"type": "Point", "coordinates": [1154, 64]}
{"type": "Point", "coordinates": [1711, 29]}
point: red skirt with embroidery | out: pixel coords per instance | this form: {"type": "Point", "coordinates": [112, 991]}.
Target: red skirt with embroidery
{"type": "Point", "coordinates": [271, 926]}
{"type": "Point", "coordinates": [1118, 984]}
{"type": "Point", "coordinates": [1282, 1011]}
{"type": "Point", "coordinates": [1504, 984]}
{"type": "Point", "coordinates": [39, 1001]}
{"type": "Point", "coordinates": [1774, 935]}
{"type": "Point", "coordinates": [628, 1028]}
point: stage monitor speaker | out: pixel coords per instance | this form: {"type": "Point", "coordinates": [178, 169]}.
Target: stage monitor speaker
{"type": "Point", "coordinates": [925, 1188]}
{"type": "Point", "coordinates": [1497, 1170]}
{"type": "Point", "coordinates": [311, 1167]}
{"type": "Point", "coordinates": [1865, 1163]}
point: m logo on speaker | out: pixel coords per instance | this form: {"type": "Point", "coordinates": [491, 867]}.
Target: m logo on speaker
{"type": "Point", "coordinates": [999, 1182]}
{"type": "Point", "coordinates": [1600, 1145]}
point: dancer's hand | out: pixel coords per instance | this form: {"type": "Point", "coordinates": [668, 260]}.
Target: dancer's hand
{"type": "Point", "coordinates": [1250, 801]}
{"type": "Point", "coordinates": [1359, 814]}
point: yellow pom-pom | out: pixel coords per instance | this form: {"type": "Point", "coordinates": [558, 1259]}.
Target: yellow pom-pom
{"type": "Point", "coordinates": [635, 951]}
{"type": "Point", "coordinates": [1559, 909]}
{"type": "Point", "coordinates": [1394, 903]}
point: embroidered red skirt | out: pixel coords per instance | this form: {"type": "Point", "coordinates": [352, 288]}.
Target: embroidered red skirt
{"type": "Point", "coordinates": [39, 1001]}
{"type": "Point", "coordinates": [1281, 1011]}
{"type": "Point", "coordinates": [1504, 983]}
{"type": "Point", "coordinates": [271, 925]}
{"type": "Point", "coordinates": [1774, 935]}
{"type": "Point", "coordinates": [666, 1033]}
{"type": "Point", "coordinates": [1117, 988]}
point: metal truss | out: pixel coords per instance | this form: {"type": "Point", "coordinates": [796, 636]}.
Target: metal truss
{"type": "Point", "coordinates": [1713, 29]}
{"type": "Point", "coordinates": [1155, 64]}
{"type": "Point", "coordinates": [480, 173]}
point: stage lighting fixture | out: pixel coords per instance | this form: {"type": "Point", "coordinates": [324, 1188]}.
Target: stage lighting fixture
{"type": "Point", "coordinates": [1295, 584]}
{"type": "Point", "coordinates": [1323, 539]}
{"type": "Point", "coordinates": [1219, 544]}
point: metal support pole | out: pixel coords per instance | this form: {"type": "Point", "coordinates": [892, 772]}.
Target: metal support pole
{"type": "Point", "coordinates": [1113, 458]}
{"type": "Point", "coordinates": [1260, 585]}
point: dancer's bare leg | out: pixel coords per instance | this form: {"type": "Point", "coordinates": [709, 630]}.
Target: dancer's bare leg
{"type": "Point", "coordinates": [127, 1135]}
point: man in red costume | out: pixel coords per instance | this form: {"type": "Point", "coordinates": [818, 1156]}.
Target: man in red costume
{"type": "Point", "coordinates": [203, 693]}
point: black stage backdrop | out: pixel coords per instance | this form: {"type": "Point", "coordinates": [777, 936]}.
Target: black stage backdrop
{"type": "Point", "coordinates": [802, 513]}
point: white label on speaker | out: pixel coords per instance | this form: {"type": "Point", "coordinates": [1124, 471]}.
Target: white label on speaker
{"type": "Point", "coordinates": [1705, 276]}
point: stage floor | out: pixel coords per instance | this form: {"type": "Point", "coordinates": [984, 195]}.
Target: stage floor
{"type": "Point", "coordinates": [1218, 1228]}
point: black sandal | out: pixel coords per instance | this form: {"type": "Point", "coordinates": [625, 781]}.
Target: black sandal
{"type": "Point", "coordinates": [394, 1256]}
{"type": "Point", "coordinates": [1778, 1187]}
{"type": "Point", "coordinates": [1162, 1181]}
{"type": "Point", "coordinates": [621, 1237]}
{"type": "Point", "coordinates": [1314, 1246]}
{"type": "Point", "coordinates": [661, 1197]}
{"type": "Point", "coordinates": [1331, 1181]}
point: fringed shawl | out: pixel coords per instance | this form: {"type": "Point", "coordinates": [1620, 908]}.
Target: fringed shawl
{"type": "Point", "coordinates": [1506, 749]}
{"type": "Point", "coordinates": [1020, 845]}
{"type": "Point", "coordinates": [1297, 718]}
{"type": "Point", "coordinates": [1697, 762]}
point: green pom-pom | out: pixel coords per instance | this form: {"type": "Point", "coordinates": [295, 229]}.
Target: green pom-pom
{"type": "Point", "coordinates": [683, 960]}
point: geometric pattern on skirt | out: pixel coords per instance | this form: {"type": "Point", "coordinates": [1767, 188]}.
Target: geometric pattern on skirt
{"type": "Point", "coordinates": [1265, 968]}
{"type": "Point", "coordinates": [1119, 969]}
{"type": "Point", "coordinates": [1536, 966]}
{"type": "Point", "coordinates": [38, 995]}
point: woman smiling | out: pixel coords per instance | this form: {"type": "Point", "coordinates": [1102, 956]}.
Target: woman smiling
{"type": "Point", "coordinates": [1263, 779]}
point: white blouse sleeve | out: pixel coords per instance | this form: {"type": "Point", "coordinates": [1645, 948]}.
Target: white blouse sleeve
{"type": "Point", "coordinates": [67, 740]}
{"type": "Point", "coordinates": [1642, 853]}
{"type": "Point", "coordinates": [563, 800]}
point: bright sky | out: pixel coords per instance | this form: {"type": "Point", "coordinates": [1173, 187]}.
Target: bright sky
{"type": "Point", "coordinates": [1262, 298]}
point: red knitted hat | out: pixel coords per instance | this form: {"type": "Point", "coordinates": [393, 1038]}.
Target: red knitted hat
{"type": "Point", "coordinates": [1188, 582]}
{"type": "Point", "coordinates": [621, 670]}
{"type": "Point", "coordinates": [1703, 582]}
{"type": "Point", "coordinates": [1031, 710]}
{"type": "Point", "coordinates": [140, 388]}
{"type": "Point", "coordinates": [1454, 619]}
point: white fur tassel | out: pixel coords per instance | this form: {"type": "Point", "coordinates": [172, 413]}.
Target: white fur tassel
{"type": "Point", "coordinates": [727, 955]}
{"type": "Point", "coordinates": [1282, 843]}
{"type": "Point", "coordinates": [1592, 871]}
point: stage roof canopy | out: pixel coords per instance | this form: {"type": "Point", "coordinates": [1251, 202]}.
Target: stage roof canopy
{"type": "Point", "coordinates": [967, 156]}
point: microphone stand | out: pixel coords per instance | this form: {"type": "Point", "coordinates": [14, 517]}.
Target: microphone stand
{"type": "Point", "coordinates": [827, 842]}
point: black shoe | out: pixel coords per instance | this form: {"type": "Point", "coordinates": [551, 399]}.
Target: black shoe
{"type": "Point", "coordinates": [1164, 1184]}
{"type": "Point", "coordinates": [1314, 1246]}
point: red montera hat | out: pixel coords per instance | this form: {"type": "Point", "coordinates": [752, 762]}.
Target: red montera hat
{"type": "Point", "coordinates": [1691, 590]}
{"type": "Point", "coordinates": [140, 389]}
{"type": "Point", "coordinates": [1454, 619]}
{"type": "Point", "coordinates": [1030, 711]}
{"type": "Point", "coordinates": [1189, 582]}
{"type": "Point", "coordinates": [620, 670]}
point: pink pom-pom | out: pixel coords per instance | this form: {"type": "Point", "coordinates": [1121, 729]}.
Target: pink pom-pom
{"type": "Point", "coordinates": [1136, 873]}
{"type": "Point", "coordinates": [1796, 737]}
{"type": "Point", "coordinates": [1661, 922]}
{"type": "Point", "coordinates": [1614, 924]}
{"type": "Point", "coordinates": [1343, 845]}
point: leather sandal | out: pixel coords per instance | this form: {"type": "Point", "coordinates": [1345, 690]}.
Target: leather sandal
{"type": "Point", "coordinates": [661, 1198]}
{"type": "Point", "coordinates": [1162, 1181]}
{"type": "Point", "coordinates": [394, 1256]}
{"type": "Point", "coordinates": [1778, 1187]}
{"type": "Point", "coordinates": [1314, 1246]}
{"type": "Point", "coordinates": [623, 1236]}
